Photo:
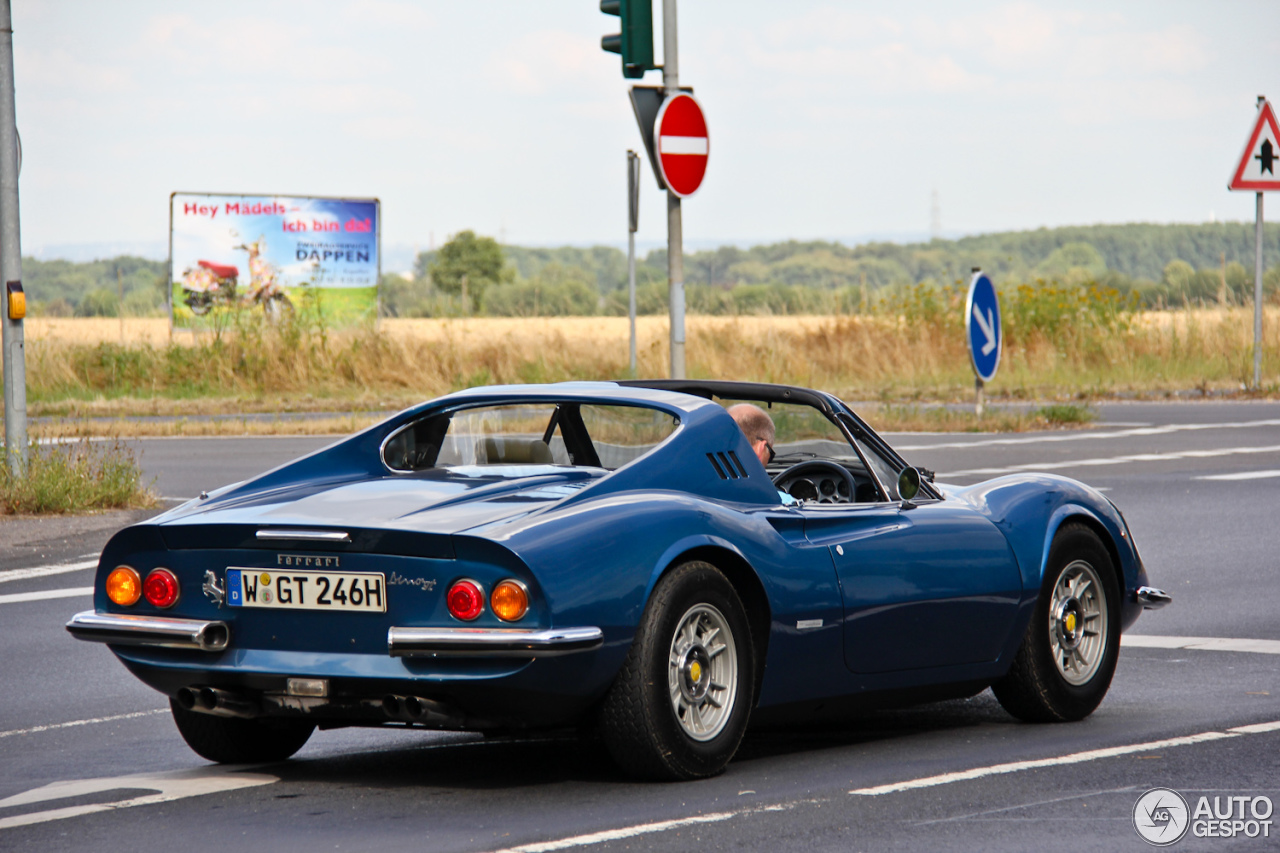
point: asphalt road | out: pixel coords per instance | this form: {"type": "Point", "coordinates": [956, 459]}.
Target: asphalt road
{"type": "Point", "coordinates": [1199, 484]}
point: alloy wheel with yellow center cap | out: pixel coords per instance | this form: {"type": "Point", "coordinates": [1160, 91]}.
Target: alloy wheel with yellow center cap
{"type": "Point", "coordinates": [702, 672]}
{"type": "Point", "coordinates": [1078, 625]}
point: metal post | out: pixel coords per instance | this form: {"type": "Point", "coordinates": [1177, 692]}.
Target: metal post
{"type": "Point", "coordinates": [1257, 299]}
{"type": "Point", "coordinates": [675, 236]}
{"type": "Point", "coordinates": [633, 222]}
{"type": "Point", "coordinates": [15, 371]}
{"type": "Point", "coordinates": [978, 386]}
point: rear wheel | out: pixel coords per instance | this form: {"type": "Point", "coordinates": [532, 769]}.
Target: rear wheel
{"type": "Point", "coordinates": [230, 740]}
{"type": "Point", "coordinates": [1068, 656]}
{"type": "Point", "coordinates": [679, 707]}
{"type": "Point", "coordinates": [278, 307]}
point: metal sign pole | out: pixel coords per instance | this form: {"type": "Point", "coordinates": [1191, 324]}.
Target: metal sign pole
{"type": "Point", "coordinates": [675, 236]}
{"type": "Point", "coordinates": [633, 222]}
{"type": "Point", "coordinates": [15, 371]}
{"type": "Point", "coordinates": [1257, 299]}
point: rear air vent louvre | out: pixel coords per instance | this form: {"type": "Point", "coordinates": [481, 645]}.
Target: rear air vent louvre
{"type": "Point", "coordinates": [714, 464]}
{"type": "Point", "coordinates": [727, 465]}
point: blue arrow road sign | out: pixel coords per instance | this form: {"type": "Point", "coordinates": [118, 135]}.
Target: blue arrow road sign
{"type": "Point", "coordinates": [982, 326]}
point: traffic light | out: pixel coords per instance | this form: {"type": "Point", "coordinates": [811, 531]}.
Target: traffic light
{"type": "Point", "coordinates": [635, 42]}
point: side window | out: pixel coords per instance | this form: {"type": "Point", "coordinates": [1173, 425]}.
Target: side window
{"type": "Point", "coordinates": [621, 434]}
{"type": "Point", "coordinates": [488, 435]}
{"type": "Point", "coordinates": [568, 433]}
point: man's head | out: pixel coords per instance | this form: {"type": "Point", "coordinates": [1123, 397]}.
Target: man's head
{"type": "Point", "coordinates": [757, 426]}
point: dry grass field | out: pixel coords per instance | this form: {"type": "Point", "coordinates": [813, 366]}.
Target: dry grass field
{"type": "Point", "coordinates": [78, 368]}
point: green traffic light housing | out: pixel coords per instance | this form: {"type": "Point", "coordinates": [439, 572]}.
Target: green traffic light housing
{"type": "Point", "coordinates": [635, 42]}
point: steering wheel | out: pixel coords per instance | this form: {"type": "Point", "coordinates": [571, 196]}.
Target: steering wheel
{"type": "Point", "coordinates": [805, 481]}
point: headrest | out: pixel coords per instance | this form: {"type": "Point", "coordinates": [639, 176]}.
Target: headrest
{"type": "Point", "coordinates": [504, 449]}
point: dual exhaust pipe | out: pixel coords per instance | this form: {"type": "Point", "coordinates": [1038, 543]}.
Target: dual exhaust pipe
{"type": "Point", "coordinates": [415, 709]}
{"type": "Point", "coordinates": [223, 703]}
{"type": "Point", "coordinates": [211, 700]}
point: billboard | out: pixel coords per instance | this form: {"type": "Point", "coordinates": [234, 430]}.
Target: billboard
{"type": "Point", "coordinates": [279, 256]}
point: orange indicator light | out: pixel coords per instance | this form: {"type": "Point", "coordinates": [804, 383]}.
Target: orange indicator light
{"type": "Point", "coordinates": [124, 587]}
{"type": "Point", "coordinates": [510, 600]}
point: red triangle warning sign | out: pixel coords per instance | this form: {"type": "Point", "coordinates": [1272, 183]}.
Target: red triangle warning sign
{"type": "Point", "coordinates": [1259, 167]}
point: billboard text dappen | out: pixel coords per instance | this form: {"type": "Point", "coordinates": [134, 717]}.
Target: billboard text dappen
{"type": "Point", "coordinates": [273, 254]}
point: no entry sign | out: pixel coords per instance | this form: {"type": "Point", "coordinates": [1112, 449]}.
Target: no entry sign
{"type": "Point", "coordinates": [681, 135]}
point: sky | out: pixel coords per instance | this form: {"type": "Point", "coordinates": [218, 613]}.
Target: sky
{"type": "Point", "coordinates": [826, 120]}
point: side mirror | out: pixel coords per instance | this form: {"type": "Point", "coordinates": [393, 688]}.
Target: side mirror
{"type": "Point", "coordinates": [908, 483]}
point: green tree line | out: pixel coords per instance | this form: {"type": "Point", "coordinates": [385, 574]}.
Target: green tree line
{"type": "Point", "coordinates": [1151, 265]}
{"type": "Point", "coordinates": [1159, 265]}
{"type": "Point", "coordinates": [92, 289]}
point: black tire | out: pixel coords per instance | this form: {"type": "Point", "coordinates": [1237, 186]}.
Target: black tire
{"type": "Point", "coordinates": [645, 729]}
{"type": "Point", "coordinates": [199, 303]}
{"type": "Point", "coordinates": [1041, 689]}
{"type": "Point", "coordinates": [230, 740]}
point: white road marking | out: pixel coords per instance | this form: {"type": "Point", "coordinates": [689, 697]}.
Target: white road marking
{"type": "Point", "coordinates": [1036, 805]}
{"type": "Point", "coordinates": [89, 722]}
{"type": "Point", "coordinates": [15, 598]}
{"type": "Point", "coordinates": [633, 831]}
{"type": "Point", "coordinates": [926, 782]}
{"type": "Point", "coordinates": [1206, 644]}
{"type": "Point", "coordinates": [1257, 728]}
{"type": "Point", "coordinates": [170, 785]}
{"type": "Point", "coordinates": [1058, 761]}
{"type": "Point", "coordinates": [1115, 460]}
{"type": "Point", "coordinates": [45, 571]}
{"type": "Point", "coordinates": [1241, 475]}
{"type": "Point", "coordinates": [1087, 436]}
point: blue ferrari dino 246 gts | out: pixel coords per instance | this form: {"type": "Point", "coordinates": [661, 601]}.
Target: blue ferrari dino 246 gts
{"type": "Point", "coordinates": [613, 557]}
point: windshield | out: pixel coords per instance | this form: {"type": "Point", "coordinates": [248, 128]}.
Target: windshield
{"type": "Point", "coordinates": [571, 434]}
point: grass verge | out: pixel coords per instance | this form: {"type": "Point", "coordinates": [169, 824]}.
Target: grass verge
{"type": "Point", "coordinates": [75, 477]}
{"type": "Point", "coordinates": [193, 427]}
{"type": "Point", "coordinates": [894, 359]}
{"type": "Point", "coordinates": [884, 417]}
{"type": "Point", "coordinates": [915, 418]}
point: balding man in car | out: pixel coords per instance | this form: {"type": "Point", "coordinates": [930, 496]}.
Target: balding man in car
{"type": "Point", "coordinates": [757, 426]}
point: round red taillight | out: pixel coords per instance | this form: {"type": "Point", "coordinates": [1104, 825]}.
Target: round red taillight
{"type": "Point", "coordinates": [160, 588]}
{"type": "Point", "coordinates": [465, 600]}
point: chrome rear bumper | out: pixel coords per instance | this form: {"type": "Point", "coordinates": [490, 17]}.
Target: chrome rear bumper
{"type": "Point", "coordinates": [1151, 598]}
{"type": "Point", "coordinates": [122, 630]}
{"type": "Point", "coordinates": [491, 642]}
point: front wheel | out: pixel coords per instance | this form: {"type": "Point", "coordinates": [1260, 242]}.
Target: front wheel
{"type": "Point", "coordinates": [679, 707]}
{"type": "Point", "coordinates": [229, 740]}
{"type": "Point", "coordinates": [1068, 656]}
{"type": "Point", "coordinates": [198, 301]}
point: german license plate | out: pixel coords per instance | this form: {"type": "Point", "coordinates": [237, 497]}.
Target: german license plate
{"type": "Point", "coordinates": [365, 592]}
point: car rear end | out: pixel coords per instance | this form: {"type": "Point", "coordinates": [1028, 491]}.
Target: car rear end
{"type": "Point", "coordinates": [341, 626]}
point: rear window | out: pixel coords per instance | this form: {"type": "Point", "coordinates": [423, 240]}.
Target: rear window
{"type": "Point", "coordinates": [573, 434]}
